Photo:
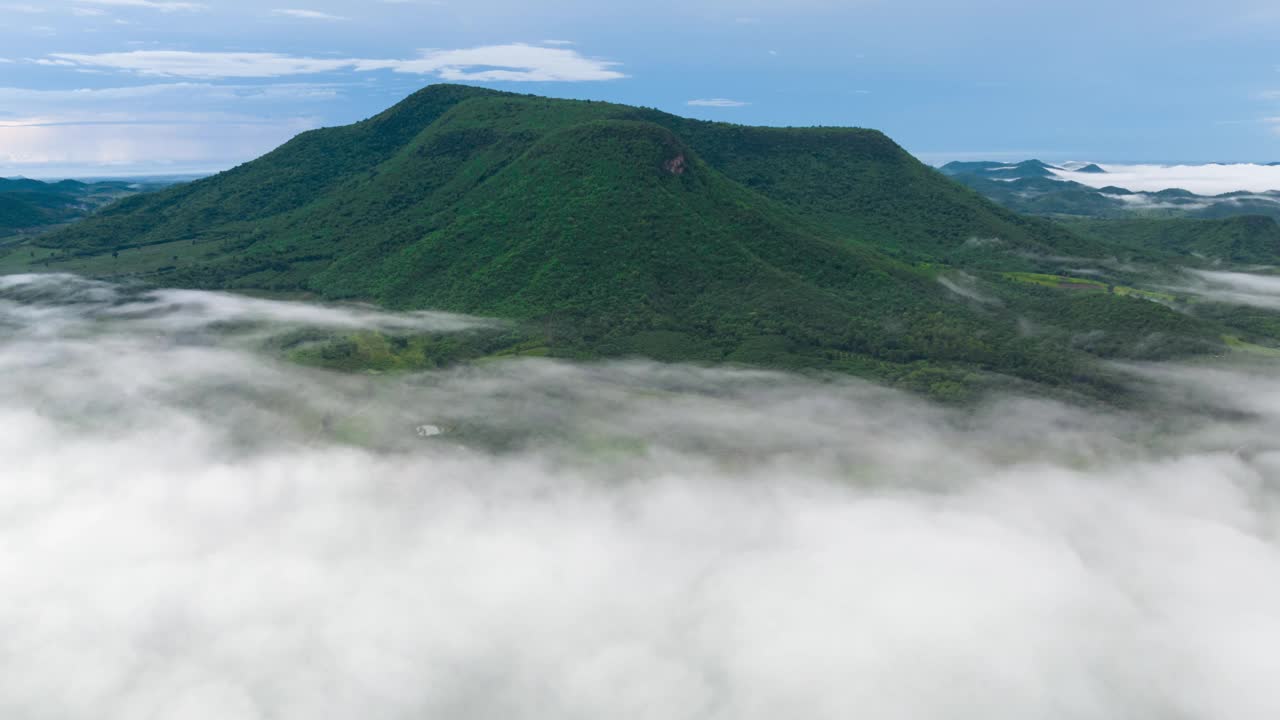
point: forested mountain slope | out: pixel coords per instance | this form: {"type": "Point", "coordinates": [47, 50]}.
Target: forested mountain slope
{"type": "Point", "coordinates": [28, 205]}
{"type": "Point", "coordinates": [613, 230]}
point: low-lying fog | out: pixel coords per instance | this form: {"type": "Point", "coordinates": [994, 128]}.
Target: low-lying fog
{"type": "Point", "coordinates": [191, 528]}
{"type": "Point", "coordinates": [1235, 288]}
{"type": "Point", "coordinates": [1206, 179]}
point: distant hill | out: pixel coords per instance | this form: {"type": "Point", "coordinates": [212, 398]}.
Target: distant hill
{"type": "Point", "coordinates": [1031, 187]}
{"type": "Point", "coordinates": [608, 230]}
{"type": "Point", "coordinates": [1001, 171]}
{"type": "Point", "coordinates": [31, 205]}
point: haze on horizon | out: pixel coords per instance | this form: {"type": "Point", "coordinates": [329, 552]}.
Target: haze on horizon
{"type": "Point", "coordinates": [116, 87]}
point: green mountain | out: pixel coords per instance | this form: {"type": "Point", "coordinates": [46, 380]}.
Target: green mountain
{"type": "Point", "coordinates": [30, 205]}
{"type": "Point", "coordinates": [1031, 187]}
{"type": "Point", "coordinates": [607, 230]}
{"type": "Point", "coordinates": [1001, 171]}
{"type": "Point", "coordinates": [1243, 240]}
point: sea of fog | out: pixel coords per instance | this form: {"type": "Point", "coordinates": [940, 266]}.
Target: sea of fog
{"type": "Point", "coordinates": [191, 527]}
{"type": "Point", "coordinates": [1207, 179]}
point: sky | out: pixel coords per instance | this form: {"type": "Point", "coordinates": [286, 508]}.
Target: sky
{"type": "Point", "coordinates": [116, 87]}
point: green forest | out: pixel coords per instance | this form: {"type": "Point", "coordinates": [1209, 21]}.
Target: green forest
{"type": "Point", "coordinates": [606, 230]}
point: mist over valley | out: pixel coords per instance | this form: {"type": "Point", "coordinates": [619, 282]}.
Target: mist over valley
{"type": "Point", "coordinates": [193, 526]}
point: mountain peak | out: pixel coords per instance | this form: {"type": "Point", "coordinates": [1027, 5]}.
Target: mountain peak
{"type": "Point", "coordinates": [608, 230]}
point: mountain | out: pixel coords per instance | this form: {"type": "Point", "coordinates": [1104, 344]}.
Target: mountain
{"type": "Point", "coordinates": [30, 205]}
{"type": "Point", "coordinates": [1034, 188]}
{"type": "Point", "coordinates": [436, 148]}
{"type": "Point", "coordinates": [608, 230]}
{"type": "Point", "coordinates": [1001, 171]}
{"type": "Point", "coordinates": [1049, 197]}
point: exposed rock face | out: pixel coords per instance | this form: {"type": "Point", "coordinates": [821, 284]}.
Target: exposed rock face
{"type": "Point", "coordinates": [675, 165]}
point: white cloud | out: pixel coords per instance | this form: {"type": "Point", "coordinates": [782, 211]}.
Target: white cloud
{"type": "Point", "coordinates": [176, 63]}
{"type": "Point", "coordinates": [180, 311]}
{"type": "Point", "coordinates": [161, 5]}
{"type": "Point", "coordinates": [201, 125]}
{"type": "Point", "coordinates": [177, 95]}
{"type": "Point", "coordinates": [63, 146]}
{"type": "Point", "coordinates": [192, 530]}
{"type": "Point", "coordinates": [1147, 201]}
{"type": "Point", "coordinates": [1212, 179]}
{"type": "Point", "coordinates": [717, 103]}
{"type": "Point", "coordinates": [125, 118]}
{"type": "Point", "coordinates": [1234, 288]}
{"type": "Point", "coordinates": [308, 14]}
{"type": "Point", "coordinates": [515, 62]}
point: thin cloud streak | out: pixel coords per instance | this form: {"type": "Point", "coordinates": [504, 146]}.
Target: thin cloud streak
{"type": "Point", "coordinates": [512, 63]}
{"type": "Point", "coordinates": [165, 6]}
{"type": "Point", "coordinates": [79, 146]}
{"type": "Point", "coordinates": [197, 126]}
{"type": "Point", "coordinates": [717, 103]}
{"type": "Point", "coordinates": [308, 14]}
{"type": "Point", "coordinates": [183, 92]}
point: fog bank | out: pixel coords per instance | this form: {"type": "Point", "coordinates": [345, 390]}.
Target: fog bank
{"type": "Point", "coordinates": [1234, 288]}
{"type": "Point", "coordinates": [1208, 179]}
{"type": "Point", "coordinates": [192, 528]}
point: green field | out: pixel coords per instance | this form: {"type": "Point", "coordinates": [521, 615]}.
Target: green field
{"type": "Point", "coordinates": [135, 261]}
{"type": "Point", "coordinates": [1249, 348]}
{"type": "Point", "coordinates": [1065, 282]}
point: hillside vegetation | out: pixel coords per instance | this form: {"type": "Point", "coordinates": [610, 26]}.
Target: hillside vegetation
{"type": "Point", "coordinates": [1034, 187]}
{"type": "Point", "coordinates": [29, 205]}
{"type": "Point", "coordinates": [1244, 240]}
{"type": "Point", "coordinates": [608, 230]}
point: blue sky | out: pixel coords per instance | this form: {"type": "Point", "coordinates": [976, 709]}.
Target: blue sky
{"type": "Point", "coordinates": [137, 86]}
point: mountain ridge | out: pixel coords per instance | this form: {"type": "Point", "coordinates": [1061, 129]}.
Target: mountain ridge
{"type": "Point", "coordinates": [1027, 188]}
{"type": "Point", "coordinates": [28, 206]}
{"type": "Point", "coordinates": [610, 230]}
